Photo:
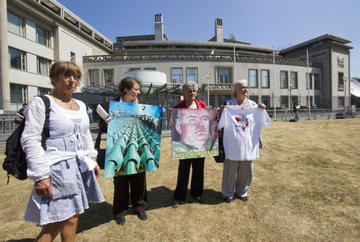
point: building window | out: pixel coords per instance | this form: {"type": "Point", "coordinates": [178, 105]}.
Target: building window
{"type": "Point", "coordinates": [265, 79]}
{"type": "Point", "coordinates": [253, 79]}
{"type": "Point", "coordinates": [294, 80]}
{"type": "Point", "coordinates": [150, 68]}
{"type": "Point", "coordinates": [284, 101]}
{"type": "Point", "coordinates": [317, 81]}
{"type": "Point", "coordinates": [43, 91]}
{"type": "Point", "coordinates": [283, 79]}
{"type": "Point", "coordinates": [134, 69]}
{"type": "Point", "coordinates": [266, 100]}
{"type": "Point", "coordinates": [42, 36]}
{"type": "Point", "coordinates": [18, 93]}
{"type": "Point", "coordinates": [72, 57]}
{"type": "Point", "coordinates": [222, 99]}
{"type": "Point", "coordinates": [340, 81]}
{"type": "Point", "coordinates": [212, 100]}
{"type": "Point", "coordinates": [223, 76]}
{"type": "Point", "coordinates": [341, 102]}
{"type": "Point", "coordinates": [308, 81]}
{"type": "Point", "coordinates": [16, 24]}
{"type": "Point", "coordinates": [17, 59]}
{"type": "Point", "coordinates": [177, 76]}
{"type": "Point", "coordinates": [94, 78]}
{"type": "Point", "coordinates": [254, 98]}
{"type": "Point", "coordinates": [192, 74]}
{"type": "Point", "coordinates": [109, 76]}
{"type": "Point", "coordinates": [43, 66]}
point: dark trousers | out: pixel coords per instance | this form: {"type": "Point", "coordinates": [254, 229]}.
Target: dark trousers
{"type": "Point", "coordinates": [138, 193]}
{"type": "Point", "coordinates": [197, 178]}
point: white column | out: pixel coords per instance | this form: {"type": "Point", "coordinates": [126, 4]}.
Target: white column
{"type": "Point", "coordinates": [4, 63]}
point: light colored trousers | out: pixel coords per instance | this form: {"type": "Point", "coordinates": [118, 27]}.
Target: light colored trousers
{"type": "Point", "coordinates": [237, 177]}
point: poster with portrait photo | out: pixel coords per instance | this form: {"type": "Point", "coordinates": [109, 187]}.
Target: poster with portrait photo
{"type": "Point", "coordinates": [133, 139]}
{"type": "Point", "coordinates": [194, 133]}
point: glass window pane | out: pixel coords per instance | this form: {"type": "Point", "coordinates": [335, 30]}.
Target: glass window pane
{"type": "Point", "coordinates": [94, 77]}
{"type": "Point", "coordinates": [294, 82]}
{"type": "Point", "coordinates": [223, 75]}
{"type": "Point", "coordinates": [16, 93]}
{"type": "Point", "coordinates": [108, 77]}
{"type": "Point", "coordinates": [14, 24]}
{"type": "Point", "coordinates": [43, 66]}
{"type": "Point", "coordinates": [191, 74]}
{"type": "Point", "coordinates": [283, 79]}
{"type": "Point", "coordinates": [41, 35]}
{"type": "Point", "coordinates": [265, 79]}
{"type": "Point", "coordinates": [176, 76]}
{"type": "Point", "coordinates": [253, 78]}
{"type": "Point", "coordinates": [15, 58]}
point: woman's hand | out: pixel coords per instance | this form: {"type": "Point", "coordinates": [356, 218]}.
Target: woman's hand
{"type": "Point", "coordinates": [261, 105]}
{"type": "Point", "coordinates": [107, 120]}
{"type": "Point", "coordinates": [96, 169]}
{"type": "Point", "coordinates": [43, 188]}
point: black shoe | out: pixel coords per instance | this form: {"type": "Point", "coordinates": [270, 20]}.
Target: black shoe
{"type": "Point", "coordinates": [175, 204]}
{"type": "Point", "coordinates": [228, 199]}
{"type": "Point", "coordinates": [120, 220]}
{"type": "Point", "coordinates": [198, 199]}
{"type": "Point", "coordinates": [142, 216]}
{"type": "Point", "coordinates": [244, 199]}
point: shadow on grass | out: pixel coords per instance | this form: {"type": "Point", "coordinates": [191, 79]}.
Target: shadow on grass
{"type": "Point", "coordinates": [160, 197]}
{"type": "Point", "coordinates": [97, 214]}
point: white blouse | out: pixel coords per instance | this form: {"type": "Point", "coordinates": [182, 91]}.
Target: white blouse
{"type": "Point", "coordinates": [62, 123]}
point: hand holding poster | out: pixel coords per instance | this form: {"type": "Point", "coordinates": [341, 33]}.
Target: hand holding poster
{"type": "Point", "coordinates": [194, 133]}
{"type": "Point", "coordinates": [133, 139]}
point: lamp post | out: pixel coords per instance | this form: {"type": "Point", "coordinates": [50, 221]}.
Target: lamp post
{"type": "Point", "coordinates": [233, 38]}
{"type": "Point", "coordinates": [345, 97]}
{"type": "Point", "coordinates": [274, 98]}
{"type": "Point", "coordinates": [208, 87]}
{"type": "Point", "coordinates": [308, 80]}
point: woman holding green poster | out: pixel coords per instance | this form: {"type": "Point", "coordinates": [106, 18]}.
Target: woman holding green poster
{"type": "Point", "coordinates": [129, 89]}
{"type": "Point", "coordinates": [189, 90]}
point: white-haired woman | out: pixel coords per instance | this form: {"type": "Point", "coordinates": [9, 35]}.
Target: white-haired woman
{"type": "Point", "coordinates": [237, 173]}
{"type": "Point", "coordinates": [189, 91]}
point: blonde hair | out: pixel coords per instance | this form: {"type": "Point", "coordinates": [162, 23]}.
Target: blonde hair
{"type": "Point", "coordinates": [66, 68]}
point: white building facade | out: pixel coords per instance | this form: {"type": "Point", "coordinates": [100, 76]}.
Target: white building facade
{"type": "Point", "coordinates": [36, 33]}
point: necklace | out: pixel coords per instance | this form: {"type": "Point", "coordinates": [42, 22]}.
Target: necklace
{"type": "Point", "coordinates": [67, 103]}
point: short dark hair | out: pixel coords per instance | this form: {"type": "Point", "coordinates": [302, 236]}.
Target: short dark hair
{"type": "Point", "coordinates": [127, 83]}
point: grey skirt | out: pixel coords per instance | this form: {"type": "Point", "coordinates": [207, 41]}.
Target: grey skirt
{"type": "Point", "coordinates": [72, 193]}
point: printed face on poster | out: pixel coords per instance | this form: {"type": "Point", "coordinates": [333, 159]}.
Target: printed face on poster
{"type": "Point", "coordinates": [133, 139]}
{"type": "Point", "coordinates": [194, 133]}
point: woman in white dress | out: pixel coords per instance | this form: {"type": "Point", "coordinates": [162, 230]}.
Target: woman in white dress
{"type": "Point", "coordinates": [65, 171]}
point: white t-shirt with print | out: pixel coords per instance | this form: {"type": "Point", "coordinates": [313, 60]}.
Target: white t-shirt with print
{"type": "Point", "coordinates": [242, 126]}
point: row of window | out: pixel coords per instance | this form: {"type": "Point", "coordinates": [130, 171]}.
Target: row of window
{"type": "Point", "coordinates": [223, 76]}
{"type": "Point", "coordinates": [17, 60]}
{"type": "Point", "coordinates": [17, 25]}
{"type": "Point", "coordinates": [19, 93]}
{"type": "Point", "coordinates": [108, 76]}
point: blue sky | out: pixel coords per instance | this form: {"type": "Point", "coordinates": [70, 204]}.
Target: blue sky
{"type": "Point", "coordinates": [267, 23]}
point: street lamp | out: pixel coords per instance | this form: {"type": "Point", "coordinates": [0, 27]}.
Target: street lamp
{"type": "Point", "coordinates": [208, 87]}
{"type": "Point", "coordinates": [308, 77]}
{"type": "Point", "coordinates": [274, 98]}
{"type": "Point", "coordinates": [233, 39]}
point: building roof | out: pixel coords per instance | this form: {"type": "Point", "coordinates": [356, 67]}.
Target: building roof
{"type": "Point", "coordinates": [326, 38]}
{"type": "Point", "coordinates": [137, 38]}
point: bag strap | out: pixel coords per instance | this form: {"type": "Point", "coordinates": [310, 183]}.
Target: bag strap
{"type": "Point", "coordinates": [46, 131]}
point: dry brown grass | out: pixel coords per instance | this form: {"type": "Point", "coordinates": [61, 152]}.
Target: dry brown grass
{"type": "Point", "coordinates": [306, 187]}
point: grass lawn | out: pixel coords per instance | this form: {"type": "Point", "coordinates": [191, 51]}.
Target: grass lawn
{"type": "Point", "coordinates": [306, 187]}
